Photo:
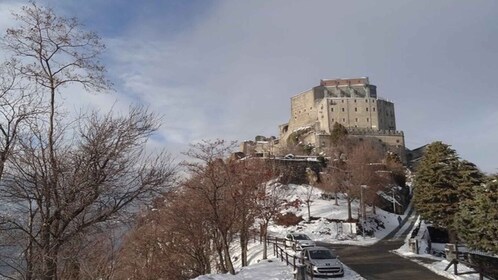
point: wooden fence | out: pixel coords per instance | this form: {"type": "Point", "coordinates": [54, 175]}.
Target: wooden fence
{"type": "Point", "coordinates": [280, 251]}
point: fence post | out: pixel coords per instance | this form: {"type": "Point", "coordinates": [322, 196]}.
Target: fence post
{"type": "Point", "coordinates": [300, 272]}
{"type": "Point", "coordinates": [286, 258]}
{"type": "Point", "coordinates": [413, 244]}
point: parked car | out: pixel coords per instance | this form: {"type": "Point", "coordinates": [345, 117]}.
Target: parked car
{"type": "Point", "coordinates": [298, 241]}
{"type": "Point", "coordinates": [321, 261]}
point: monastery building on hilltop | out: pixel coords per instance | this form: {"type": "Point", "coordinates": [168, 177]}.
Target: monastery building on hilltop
{"type": "Point", "coordinates": [353, 103]}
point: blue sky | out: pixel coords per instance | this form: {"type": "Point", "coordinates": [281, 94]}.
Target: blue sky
{"type": "Point", "coordinates": [227, 69]}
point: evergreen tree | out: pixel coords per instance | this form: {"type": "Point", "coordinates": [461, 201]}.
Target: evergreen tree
{"type": "Point", "coordinates": [436, 186]}
{"type": "Point", "coordinates": [339, 133]}
{"type": "Point", "coordinates": [470, 178]}
{"type": "Point", "coordinates": [477, 219]}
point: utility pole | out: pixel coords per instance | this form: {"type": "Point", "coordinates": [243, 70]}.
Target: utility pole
{"type": "Point", "coordinates": [394, 203]}
{"type": "Point", "coordinates": [363, 209]}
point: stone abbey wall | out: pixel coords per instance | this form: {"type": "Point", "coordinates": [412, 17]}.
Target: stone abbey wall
{"type": "Point", "coordinates": [351, 102]}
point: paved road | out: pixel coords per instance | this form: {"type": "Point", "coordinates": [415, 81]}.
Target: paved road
{"type": "Point", "coordinates": [377, 262]}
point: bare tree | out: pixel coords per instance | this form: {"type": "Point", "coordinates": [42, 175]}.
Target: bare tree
{"type": "Point", "coordinates": [313, 180]}
{"type": "Point", "coordinates": [102, 173]}
{"type": "Point", "coordinates": [251, 175]}
{"type": "Point", "coordinates": [271, 200]}
{"type": "Point", "coordinates": [331, 181]}
{"type": "Point", "coordinates": [149, 253]}
{"type": "Point", "coordinates": [364, 163]}
{"type": "Point", "coordinates": [337, 174]}
{"type": "Point", "coordinates": [214, 187]}
{"type": "Point", "coordinates": [49, 52]}
{"type": "Point", "coordinates": [173, 239]}
{"type": "Point", "coordinates": [354, 163]}
{"type": "Point", "coordinates": [18, 104]}
{"type": "Point", "coordinates": [53, 52]}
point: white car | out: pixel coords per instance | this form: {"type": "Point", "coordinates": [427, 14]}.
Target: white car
{"type": "Point", "coordinates": [320, 261]}
{"type": "Point", "coordinates": [298, 241]}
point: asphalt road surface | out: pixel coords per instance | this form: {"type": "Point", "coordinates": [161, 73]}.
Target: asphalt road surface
{"type": "Point", "coordinates": [377, 262]}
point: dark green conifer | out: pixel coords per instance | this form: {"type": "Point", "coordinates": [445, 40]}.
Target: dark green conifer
{"type": "Point", "coordinates": [436, 186]}
{"type": "Point", "coordinates": [477, 220]}
{"type": "Point", "coordinates": [470, 178]}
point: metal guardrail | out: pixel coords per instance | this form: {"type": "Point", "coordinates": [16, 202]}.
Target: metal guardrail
{"type": "Point", "coordinates": [485, 266]}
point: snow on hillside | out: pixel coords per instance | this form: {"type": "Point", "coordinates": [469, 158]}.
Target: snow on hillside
{"type": "Point", "coordinates": [327, 231]}
{"type": "Point", "coordinates": [318, 230]}
{"type": "Point", "coordinates": [323, 230]}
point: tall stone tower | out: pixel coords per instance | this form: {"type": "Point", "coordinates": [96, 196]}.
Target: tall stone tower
{"type": "Point", "coordinates": [351, 102]}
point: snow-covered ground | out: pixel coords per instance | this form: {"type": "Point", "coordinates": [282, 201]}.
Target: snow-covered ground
{"type": "Point", "coordinates": [271, 269]}
{"type": "Point", "coordinates": [318, 230]}
{"type": "Point", "coordinates": [325, 231]}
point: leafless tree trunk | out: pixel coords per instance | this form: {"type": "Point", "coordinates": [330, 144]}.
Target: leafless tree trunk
{"type": "Point", "coordinates": [271, 202]}
{"type": "Point", "coordinates": [251, 175]}
{"type": "Point", "coordinates": [215, 181]}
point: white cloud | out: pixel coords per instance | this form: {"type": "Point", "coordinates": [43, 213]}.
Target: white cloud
{"type": "Point", "coordinates": [232, 73]}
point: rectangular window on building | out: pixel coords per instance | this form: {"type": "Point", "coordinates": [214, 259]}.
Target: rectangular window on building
{"type": "Point", "coordinates": [367, 109]}
{"type": "Point", "coordinates": [331, 109]}
{"type": "Point", "coordinates": [373, 109]}
{"type": "Point", "coordinates": [343, 120]}
{"type": "Point", "coordinates": [356, 120]}
{"type": "Point", "coordinates": [368, 119]}
{"type": "Point", "coordinates": [343, 109]}
{"type": "Point", "coordinates": [356, 109]}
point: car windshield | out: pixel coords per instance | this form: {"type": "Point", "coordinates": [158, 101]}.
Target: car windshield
{"type": "Point", "coordinates": [321, 254]}
{"type": "Point", "coordinates": [301, 237]}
